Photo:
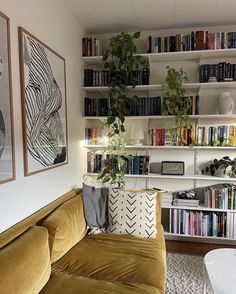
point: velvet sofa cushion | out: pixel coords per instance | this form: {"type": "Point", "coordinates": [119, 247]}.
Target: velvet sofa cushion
{"type": "Point", "coordinates": [68, 284]}
{"type": "Point", "coordinates": [25, 264]}
{"type": "Point", "coordinates": [111, 257]}
{"type": "Point", "coordinates": [66, 226]}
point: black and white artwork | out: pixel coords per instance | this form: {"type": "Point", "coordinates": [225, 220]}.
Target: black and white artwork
{"type": "Point", "coordinates": [7, 162]}
{"type": "Point", "coordinates": [44, 105]}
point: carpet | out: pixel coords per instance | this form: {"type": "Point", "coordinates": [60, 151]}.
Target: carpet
{"type": "Point", "coordinates": [185, 274]}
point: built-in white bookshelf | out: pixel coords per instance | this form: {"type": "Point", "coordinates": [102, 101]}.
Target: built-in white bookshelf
{"type": "Point", "coordinates": [194, 156]}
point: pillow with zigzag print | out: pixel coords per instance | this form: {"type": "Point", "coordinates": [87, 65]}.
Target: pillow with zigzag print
{"type": "Point", "coordinates": [132, 213]}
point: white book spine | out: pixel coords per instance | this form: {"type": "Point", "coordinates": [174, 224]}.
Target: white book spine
{"type": "Point", "coordinates": [170, 220]}
{"type": "Point", "coordinates": [234, 225]}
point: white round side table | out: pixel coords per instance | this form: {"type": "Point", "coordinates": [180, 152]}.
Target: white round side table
{"type": "Point", "coordinates": [220, 265]}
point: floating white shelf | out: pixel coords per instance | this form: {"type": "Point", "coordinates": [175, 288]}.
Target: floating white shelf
{"type": "Point", "coordinates": [204, 239]}
{"type": "Point", "coordinates": [175, 56]}
{"type": "Point", "coordinates": [200, 208]}
{"type": "Point", "coordinates": [92, 59]}
{"type": "Point", "coordinates": [158, 87]}
{"type": "Point", "coordinates": [190, 55]}
{"type": "Point", "coordinates": [186, 148]}
{"type": "Point", "coordinates": [148, 117]}
{"type": "Point", "coordinates": [185, 177]}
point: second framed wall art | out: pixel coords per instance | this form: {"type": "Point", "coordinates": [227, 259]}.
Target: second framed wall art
{"type": "Point", "coordinates": [44, 109]}
{"type": "Point", "coordinates": [7, 152]}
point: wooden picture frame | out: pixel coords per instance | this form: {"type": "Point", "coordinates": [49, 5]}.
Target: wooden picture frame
{"type": "Point", "coordinates": [44, 109]}
{"type": "Point", "coordinates": [7, 144]}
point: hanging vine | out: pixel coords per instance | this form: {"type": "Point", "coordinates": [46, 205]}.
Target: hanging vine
{"type": "Point", "coordinates": [121, 60]}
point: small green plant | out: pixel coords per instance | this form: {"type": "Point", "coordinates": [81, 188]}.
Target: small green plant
{"type": "Point", "coordinates": [121, 60]}
{"type": "Point", "coordinates": [175, 101]}
{"type": "Point", "coordinates": [221, 167]}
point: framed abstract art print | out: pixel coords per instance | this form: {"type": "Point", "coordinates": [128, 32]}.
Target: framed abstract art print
{"type": "Point", "coordinates": [7, 153]}
{"type": "Point", "coordinates": [44, 110]}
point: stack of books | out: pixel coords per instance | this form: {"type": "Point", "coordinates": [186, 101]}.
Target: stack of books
{"type": "Point", "coordinates": [186, 202]}
{"type": "Point", "coordinates": [166, 198]}
{"type": "Point", "coordinates": [185, 198]}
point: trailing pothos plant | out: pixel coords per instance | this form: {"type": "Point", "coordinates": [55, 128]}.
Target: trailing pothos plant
{"type": "Point", "coordinates": [176, 101]}
{"type": "Point", "coordinates": [121, 60]}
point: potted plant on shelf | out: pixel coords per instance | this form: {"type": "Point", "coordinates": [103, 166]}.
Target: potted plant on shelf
{"type": "Point", "coordinates": [175, 101]}
{"type": "Point", "coordinates": [121, 60]}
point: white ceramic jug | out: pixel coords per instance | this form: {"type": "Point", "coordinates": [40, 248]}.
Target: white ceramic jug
{"type": "Point", "coordinates": [225, 103]}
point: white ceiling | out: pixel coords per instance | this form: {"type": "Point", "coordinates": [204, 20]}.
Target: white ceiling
{"type": "Point", "coordinates": [111, 16]}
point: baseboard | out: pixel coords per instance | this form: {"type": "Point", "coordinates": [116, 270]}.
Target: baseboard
{"type": "Point", "coordinates": [193, 247]}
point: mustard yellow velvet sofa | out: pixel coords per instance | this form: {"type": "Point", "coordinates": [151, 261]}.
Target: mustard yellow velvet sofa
{"type": "Point", "coordinates": [50, 253]}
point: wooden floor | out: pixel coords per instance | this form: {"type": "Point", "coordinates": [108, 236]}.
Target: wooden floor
{"type": "Point", "coordinates": [193, 247]}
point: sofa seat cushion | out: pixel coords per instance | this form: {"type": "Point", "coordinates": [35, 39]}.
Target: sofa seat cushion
{"type": "Point", "coordinates": [61, 283]}
{"type": "Point", "coordinates": [25, 265]}
{"type": "Point", "coordinates": [118, 258]}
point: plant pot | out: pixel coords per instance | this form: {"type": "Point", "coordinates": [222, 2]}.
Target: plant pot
{"type": "Point", "coordinates": [225, 103]}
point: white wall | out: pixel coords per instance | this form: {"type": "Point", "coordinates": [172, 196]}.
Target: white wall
{"type": "Point", "coordinates": [52, 23]}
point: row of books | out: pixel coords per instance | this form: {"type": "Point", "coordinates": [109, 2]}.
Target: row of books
{"type": "Point", "coordinates": [94, 136]}
{"type": "Point", "coordinates": [91, 47]}
{"type": "Point", "coordinates": [215, 135]}
{"type": "Point", "coordinates": [196, 40]}
{"type": "Point", "coordinates": [220, 196]}
{"type": "Point", "coordinates": [95, 78]}
{"type": "Point", "coordinates": [198, 135]}
{"type": "Point", "coordinates": [96, 106]}
{"type": "Point", "coordinates": [138, 106]}
{"type": "Point", "coordinates": [156, 105]}
{"type": "Point", "coordinates": [94, 162]}
{"type": "Point", "coordinates": [222, 71]}
{"type": "Point", "coordinates": [199, 223]}
{"type": "Point", "coordinates": [138, 165]}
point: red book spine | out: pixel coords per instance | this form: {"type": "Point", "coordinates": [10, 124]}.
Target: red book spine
{"type": "Point", "coordinates": [162, 137]}
{"type": "Point", "coordinates": [216, 199]}
{"type": "Point", "coordinates": [213, 43]}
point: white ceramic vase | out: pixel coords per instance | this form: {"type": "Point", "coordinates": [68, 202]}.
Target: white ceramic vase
{"type": "Point", "coordinates": [225, 103]}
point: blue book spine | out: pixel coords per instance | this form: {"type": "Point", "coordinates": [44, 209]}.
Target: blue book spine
{"type": "Point", "coordinates": [136, 165]}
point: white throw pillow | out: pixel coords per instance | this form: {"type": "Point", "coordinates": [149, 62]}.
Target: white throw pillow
{"type": "Point", "coordinates": [132, 213]}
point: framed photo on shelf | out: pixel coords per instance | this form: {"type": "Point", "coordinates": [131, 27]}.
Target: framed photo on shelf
{"type": "Point", "coordinates": [44, 110]}
{"type": "Point", "coordinates": [7, 152]}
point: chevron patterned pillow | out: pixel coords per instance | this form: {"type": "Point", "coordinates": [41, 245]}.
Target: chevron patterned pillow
{"type": "Point", "coordinates": [132, 213]}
